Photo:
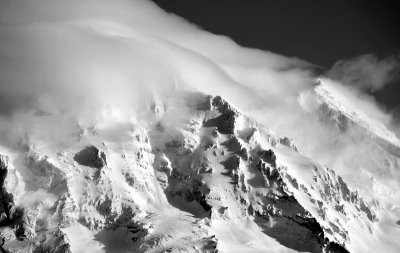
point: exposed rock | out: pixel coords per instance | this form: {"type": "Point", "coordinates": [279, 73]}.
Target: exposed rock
{"type": "Point", "coordinates": [7, 207]}
{"type": "Point", "coordinates": [3, 168]}
{"type": "Point", "coordinates": [232, 166]}
{"type": "Point", "coordinates": [367, 209]}
{"type": "Point", "coordinates": [92, 157]}
{"type": "Point", "coordinates": [163, 169]}
{"type": "Point", "coordinates": [16, 223]}
{"type": "Point", "coordinates": [237, 147]}
{"type": "Point", "coordinates": [288, 142]}
{"type": "Point", "coordinates": [55, 241]}
{"type": "Point", "coordinates": [284, 219]}
{"type": "Point", "coordinates": [268, 156]}
{"type": "Point", "coordinates": [104, 205]}
{"type": "Point", "coordinates": [333, 247]}
{"type": "Point", "coordinates": [6, 199]}
{"type": "Point", "coordinates": [335, 189]}
{"type": "Point", "coordinates": [271, 174]}
{"type": "Point", "coordinates": [189, 188]}
{"type": "Point", "coordinates": [226, 122]}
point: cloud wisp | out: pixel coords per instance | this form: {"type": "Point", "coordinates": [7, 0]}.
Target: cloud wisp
{"type": "Point", "coordinates": [366, 72]}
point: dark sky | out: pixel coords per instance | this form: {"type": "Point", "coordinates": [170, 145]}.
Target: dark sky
{"type": "Point", "coordinates": [320, 31]}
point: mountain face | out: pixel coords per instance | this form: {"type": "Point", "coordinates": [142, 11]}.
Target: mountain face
{"type": "Point", "coordinates": [379, 158]}
{"type": "Point", "coordinates": [124, 128]}
{"type": "Point", "coordinates": [209, 179]}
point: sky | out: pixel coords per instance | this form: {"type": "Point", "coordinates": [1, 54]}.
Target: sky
{"type": "Point", "coordinates": [322, 32]}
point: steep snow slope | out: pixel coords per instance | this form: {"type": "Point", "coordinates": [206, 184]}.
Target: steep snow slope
{"type": "Point", "coordinates": [380, 153]}
{"type": "Point", "coordinates": [335, 99]}
{"type": "Point", "coordinates": [208, 179]}
{"type": "Point", "coordinates": [373, 169]}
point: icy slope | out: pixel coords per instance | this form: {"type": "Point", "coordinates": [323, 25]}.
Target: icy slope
{"type": "Point", "coordinates": [369, 155]}
{"type": "Point", "coordinates": [336, 100]}
{"type": "Point", "coordinates": [209, 179]}
{"type": "Point", "coordinates": [373, 150]}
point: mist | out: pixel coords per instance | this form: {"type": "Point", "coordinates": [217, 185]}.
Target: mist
{"type": "Point", "coordinates": [366, 72]}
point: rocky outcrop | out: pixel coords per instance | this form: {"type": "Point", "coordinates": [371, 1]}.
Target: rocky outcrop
{"type": "Point", "coordinates": [232, 166]}
{"type": "Point", "coordinates": [333, 247]}
{"type": "Point", "coordinates": [91, 156]}
{"type": "Point", "coordinates": [226, 121]}
{"type": "Point", "coordinates": [268, 156]}
{"type": "Point", "coordinates": [288, 142]}
{"type": "Point", "coordinates": [274, 208]}
{"type": "Point", "coordinates": [54, 241]}
{"type": "Point", "coordinates": [278, 212]}
{"type": "Point", "coordinates": [18, 225]}
{"type": "Point", "coordinates": [6, 198]}
{"type": "Point", "coordinates": [11, 223]}
{"type": "Point", "coordinates": [334, 190]}
{"type": "Point", "coordinates": [235, 145]}
{"type": "Point", "coordinates": [189, 188]}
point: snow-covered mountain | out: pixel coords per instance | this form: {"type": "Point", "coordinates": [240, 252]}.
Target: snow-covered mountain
{"type": "Point", "coordinates": [215, 180]}
{"type": "Point", "coordinates": [126, 129]}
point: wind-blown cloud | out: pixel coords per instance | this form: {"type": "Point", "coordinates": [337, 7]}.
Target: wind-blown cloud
{"type": "Point", "coordinates": [82, 58]}
{"type": "Point", "coordinates": [366, 72]}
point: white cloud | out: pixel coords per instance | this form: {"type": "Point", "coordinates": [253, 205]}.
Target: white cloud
{"type": "Point", "coordinates": [366, 72]}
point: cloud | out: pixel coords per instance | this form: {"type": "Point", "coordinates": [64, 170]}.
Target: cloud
{"type": "Point", "coordinates": [83, 59]}
{"type": "Point", "coordinates": [366, 72]}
